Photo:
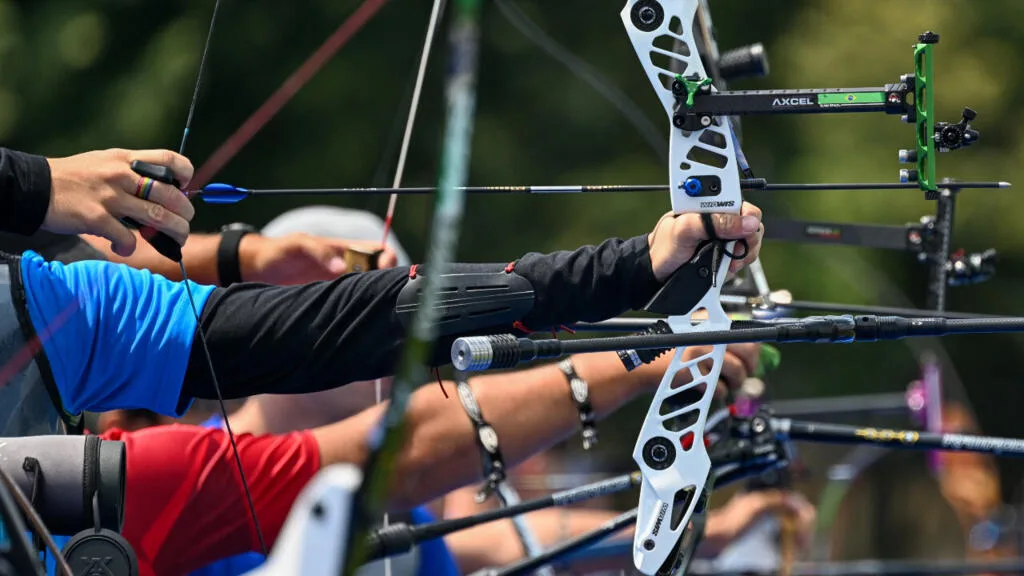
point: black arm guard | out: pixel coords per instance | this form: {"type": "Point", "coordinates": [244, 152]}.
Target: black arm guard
{"type": "Point", "coordinates": [479, 297]}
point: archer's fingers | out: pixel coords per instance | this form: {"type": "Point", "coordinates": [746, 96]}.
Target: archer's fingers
{"type": "Point", "coordinates": [753, 250]}
{"type": "Point", "coordinates": [733, 371]}
{"type": "Point", "coordinates": [155, 215]}
{"type": "Point", "coordinates": [122, 239]}
{"type": "Point", "coordinates": [693, 352]}
{"type": "Point", "coordinates": [737, 226]}
{"type": "Point", "coordinates": [387, 259]}
{"type": "Point", "coordinates": [173, 200]}
{"type": "Point", "coordinates": [178, 164]}
{"type": "Point", "coordinates": [318, 248]}
{"type": "Point", "coordinates": [727, 226]}
{"type": "Point", "coordinates": [748, 353]}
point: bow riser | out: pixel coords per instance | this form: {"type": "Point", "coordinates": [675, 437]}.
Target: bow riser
{"type": "Point", "coordinates": [704, 178]}
{"type": "Point", "coordinates": [703, 172]}
{"type": "Point", "coordinates": [670, 450]}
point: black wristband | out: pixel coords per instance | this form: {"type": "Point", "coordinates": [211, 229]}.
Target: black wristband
{"type": "Point", "coordinates": [229, 268]}
{"type": "Point", "coordinates": [579, 392]}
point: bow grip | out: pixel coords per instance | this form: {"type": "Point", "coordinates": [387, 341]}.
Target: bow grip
{"type": "Point", "coordinates": [160, 241]}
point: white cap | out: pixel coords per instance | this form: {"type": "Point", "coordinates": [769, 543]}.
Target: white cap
{"type": "Point", "coordinates": [335, 222]}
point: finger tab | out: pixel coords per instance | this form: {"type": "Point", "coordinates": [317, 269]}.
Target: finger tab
{"type": "Point", "coordinates": [156, 172]}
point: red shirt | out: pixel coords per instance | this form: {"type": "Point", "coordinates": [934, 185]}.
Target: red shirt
{"type": "Point", "coordinates": [184, 504]}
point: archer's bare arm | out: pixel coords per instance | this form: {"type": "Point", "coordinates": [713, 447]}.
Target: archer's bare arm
{"type": "Point", "coordinates": [199, 255]}
{"type": "Point", "coordinates": [530, 410]}
{"type": "Point", "coordinates": [497, 544]}
{"type": "Point", "coordinates": [284, 260]}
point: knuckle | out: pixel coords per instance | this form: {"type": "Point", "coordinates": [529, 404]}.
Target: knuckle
{"type": "Point", "coordinates": [188, 211]}
{"type": "Point", "coordinates": [108, 197]}
{"type": "Point", "coordinates": [165, 157]}
{"type": "Point", "coordinates": [690, 223]}
{"type": "Point", "coordinates": [114, 171]}
{"type": "Point", "coordinates": [94, 217]}
{"type": "Point", "coordinates": [156, 212]}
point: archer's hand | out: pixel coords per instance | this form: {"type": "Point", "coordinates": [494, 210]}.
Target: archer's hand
{"type": "Point", "coordinates": [91, 192]}
{"type": "Point", "coordinates": [743, 510]}
{"type": "Point", "coordinates": [676, 236]}
{"type": "Point", "coordinates": [301, 258]}
{"type": "Point", "coordinates": [739, 363]}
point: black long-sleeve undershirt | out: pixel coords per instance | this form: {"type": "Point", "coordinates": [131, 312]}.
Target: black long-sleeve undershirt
{"type": "Point", "coordinates": [24, 191]}
{"type": "Point", "coordinates": [297, 339]}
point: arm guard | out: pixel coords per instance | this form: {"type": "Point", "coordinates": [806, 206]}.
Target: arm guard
{"type": "Point", "coordinates": [474, 297]}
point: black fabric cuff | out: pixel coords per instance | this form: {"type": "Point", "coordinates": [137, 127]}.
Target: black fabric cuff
{"type": "Point", "coordinates": [590, 284]}
{"type": "Point", "coordinates": [25, 190]}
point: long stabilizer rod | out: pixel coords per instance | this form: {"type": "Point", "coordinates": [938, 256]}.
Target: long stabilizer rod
{"type": "Point", "coordinates": [478, 353]}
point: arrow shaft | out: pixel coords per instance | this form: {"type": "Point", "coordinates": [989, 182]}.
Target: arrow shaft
{"type": "Point", "coordinates": [756, 184]}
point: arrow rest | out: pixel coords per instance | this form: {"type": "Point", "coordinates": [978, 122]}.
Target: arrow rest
{"type": "Point", "coordinates": [747, 447]}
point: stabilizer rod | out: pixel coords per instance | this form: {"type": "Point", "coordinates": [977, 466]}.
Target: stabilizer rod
{"type": "Point", "coordinates": [478, 353]}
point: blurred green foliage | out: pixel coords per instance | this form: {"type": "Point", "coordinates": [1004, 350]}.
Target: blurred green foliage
{"type": "Point", "coordinates": [119, 73]}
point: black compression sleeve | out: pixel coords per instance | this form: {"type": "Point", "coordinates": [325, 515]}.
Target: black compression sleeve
{"type": "Point", "coordinates": [589, 284]}
{"type": "Point", "coordinates": [297, 339]}
{"type": "Point", "coordinates": [24, 191]}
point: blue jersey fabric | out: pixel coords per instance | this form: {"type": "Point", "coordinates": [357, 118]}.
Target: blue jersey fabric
{"type": "Point", "coordinates": [116, 337]}
{"type": "Point", "coordinates": [435, 558]}
{"type": "Point", "coordinates": [51, 564]}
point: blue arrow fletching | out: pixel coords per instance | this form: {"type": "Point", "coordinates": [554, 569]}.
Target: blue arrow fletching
{"type": "Point", "coordinates": [223, 194]}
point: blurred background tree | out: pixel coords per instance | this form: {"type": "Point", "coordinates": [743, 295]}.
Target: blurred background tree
{"type": "Point", "coordinates": [118, 73]}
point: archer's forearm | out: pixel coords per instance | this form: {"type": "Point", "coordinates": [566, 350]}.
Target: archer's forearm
{"type": "Point", "coordinates": [530, 410]}
{"type": "Point", "coordinates": [296, 339]}
{"type": "Point", "coordinates": [497, 544]}
{"type": "Point", "coordinates": [199, 255]}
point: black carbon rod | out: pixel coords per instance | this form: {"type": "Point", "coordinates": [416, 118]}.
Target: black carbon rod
{"type": "Point", "coordinates": [400, 537]}
{"type": "Point", "coordinates": [901, 439]}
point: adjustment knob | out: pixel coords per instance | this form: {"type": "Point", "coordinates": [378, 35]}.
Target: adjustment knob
{"type": "Point", "coordinates": [907, 176]}
{"type": "Point", "coordinates": [908, 156]}
{"type": "Point", "coordinates": [928, 37]}
{"type": "Point", "coordinates": [693, 186]}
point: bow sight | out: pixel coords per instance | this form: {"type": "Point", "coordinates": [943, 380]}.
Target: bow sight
{"type": "Point", "coordinates": [910, 97]}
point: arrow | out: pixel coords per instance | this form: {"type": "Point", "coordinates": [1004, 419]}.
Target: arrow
{"type": "Point", "coordinates": [220, 193]}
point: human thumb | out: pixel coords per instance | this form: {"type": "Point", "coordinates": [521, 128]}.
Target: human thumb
{"type": "Point", "coordinates": [735, 226]}
{"type": "Point", "coordinates": [122, 239]}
